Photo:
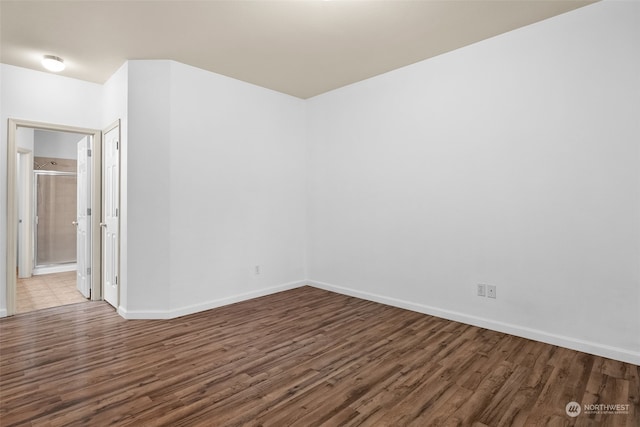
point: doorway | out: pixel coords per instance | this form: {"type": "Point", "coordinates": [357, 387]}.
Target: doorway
{"type": "Point", "coordinates": [52, 192]}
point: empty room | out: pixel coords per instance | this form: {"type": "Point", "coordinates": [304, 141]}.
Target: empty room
{"type": "Point", "coordinates": [307, 212]}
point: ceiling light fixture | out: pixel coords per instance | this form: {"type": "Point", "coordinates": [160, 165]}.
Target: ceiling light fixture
{"type": "Point", "coordinates": [53, 63]}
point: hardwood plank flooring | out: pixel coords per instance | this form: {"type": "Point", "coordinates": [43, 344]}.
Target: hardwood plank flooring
{"type": "Point", "coordinates": [305, 357]}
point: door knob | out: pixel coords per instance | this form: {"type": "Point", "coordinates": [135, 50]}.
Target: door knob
{"type": "Point", "coordinates": [103, 224]}
{"type": "Point", "coordinates": [74, 223]}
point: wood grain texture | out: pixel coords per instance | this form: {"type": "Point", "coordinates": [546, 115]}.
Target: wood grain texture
{"type": "Point", "coordinates": [305, 357]}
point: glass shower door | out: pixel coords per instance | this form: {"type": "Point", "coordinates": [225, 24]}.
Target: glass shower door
{"type": "Point", "coordinates": [55, 233]}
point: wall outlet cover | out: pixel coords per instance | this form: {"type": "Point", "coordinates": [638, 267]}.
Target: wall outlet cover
{"type": "Point", "coordinates": [491, 291]}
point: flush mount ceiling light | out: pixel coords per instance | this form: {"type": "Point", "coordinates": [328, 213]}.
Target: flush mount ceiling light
{"type": "Point", "coordinates": [53, 63]}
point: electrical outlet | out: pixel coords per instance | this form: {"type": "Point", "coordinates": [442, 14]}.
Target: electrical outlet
{"type": "Point", "coordinates": [491, 291]}
{"type": "Point", "coordinates": [481, 290]}
{"type": "Point", "coordinates": [257, 270]}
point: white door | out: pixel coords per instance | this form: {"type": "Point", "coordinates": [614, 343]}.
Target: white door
{"type": "Point", "coordinates": [83, 217]}
{"type": "Point", "coordinates": [25, 238]}
{"type": "Point", "coordinates": [110, 214]}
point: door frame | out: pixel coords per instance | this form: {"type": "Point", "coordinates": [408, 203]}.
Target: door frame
{"type": "Point", "coordinates": [12, 206]}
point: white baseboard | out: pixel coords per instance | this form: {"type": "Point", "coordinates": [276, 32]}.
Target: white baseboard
{"type": "Point", "coordinates": [616, 353]}
{"type": "Point", "coordinates": [208, 305]}
{"type": "Point", "coordinates": [183, 311]}
{"type": "Point", "coordinates": [143, 314]}
{"type": "Point", "coordinates": [3, 312]}
{"type": "Point", "coordinates": [62, 268]}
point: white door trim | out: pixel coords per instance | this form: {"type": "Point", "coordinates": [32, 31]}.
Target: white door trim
{"type": "Point", "coordinates": [12, 208]}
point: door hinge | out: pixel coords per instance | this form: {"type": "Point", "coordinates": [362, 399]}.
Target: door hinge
{"type": "Point", "coordinates": [116, 280]}
{"type": "Point", "coordinates": [89, 211]}
{"type": "Point", "coordinates": [116, 211]}
{"type": "Point", "coordinates": [89, 152]}
{"type": "Point", "coordinates": [88, 271]}
{"type": "Point", "coordinates": [117, 145]}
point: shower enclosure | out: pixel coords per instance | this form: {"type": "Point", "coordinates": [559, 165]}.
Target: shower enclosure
{"type": "Point", "coordinates": [55, 215]}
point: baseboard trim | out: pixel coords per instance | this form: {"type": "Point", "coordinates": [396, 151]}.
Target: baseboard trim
{"type": "Point", "coordinates": [3, 312]}
{"type": "Point", "coordinates": [62, 268]}
{"type": "Point", "coordinates": [143, 314]}
{"type": "Point", "coordinates": [196, 308]}
{"type": "Point", "coordinates": [616, 353]}
{"type": "Point", "coordinates": [183, 311]}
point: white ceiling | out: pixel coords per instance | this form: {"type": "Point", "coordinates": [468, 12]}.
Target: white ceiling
{"type": "Point", "coordinates": [299, 47]}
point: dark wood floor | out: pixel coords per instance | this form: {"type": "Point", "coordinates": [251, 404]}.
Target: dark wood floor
{"type": "Point", "coordinates": [303, 357]}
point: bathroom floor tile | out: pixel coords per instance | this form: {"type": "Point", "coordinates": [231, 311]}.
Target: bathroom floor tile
{"type": "Point", "coordinates": [48, 290]}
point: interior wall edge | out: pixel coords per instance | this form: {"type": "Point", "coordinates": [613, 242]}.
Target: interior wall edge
{"type": "Point", "coordinates": [616, 353]}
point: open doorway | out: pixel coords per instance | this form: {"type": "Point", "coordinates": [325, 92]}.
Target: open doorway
{"type": "Point", "coordinates": [53, 239]}
{"type": "Point", "coordinates": [48, 267]}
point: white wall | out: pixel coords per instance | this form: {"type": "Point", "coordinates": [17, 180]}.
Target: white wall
{"type": "Point", "coordinates": [58, 145]}
{"type": "Point", "coordinates": [215, 187]}
{"type": "Point", "coordinates": [25, 138]}
{"type": "Point", "coordinates": [237, 188]}
{"type": "Point", "coordinates": [148, 199]}
{"type": "Point", "coordinates": [42, 97]}
{"type": "Point", "coordinates": [513, 162]}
